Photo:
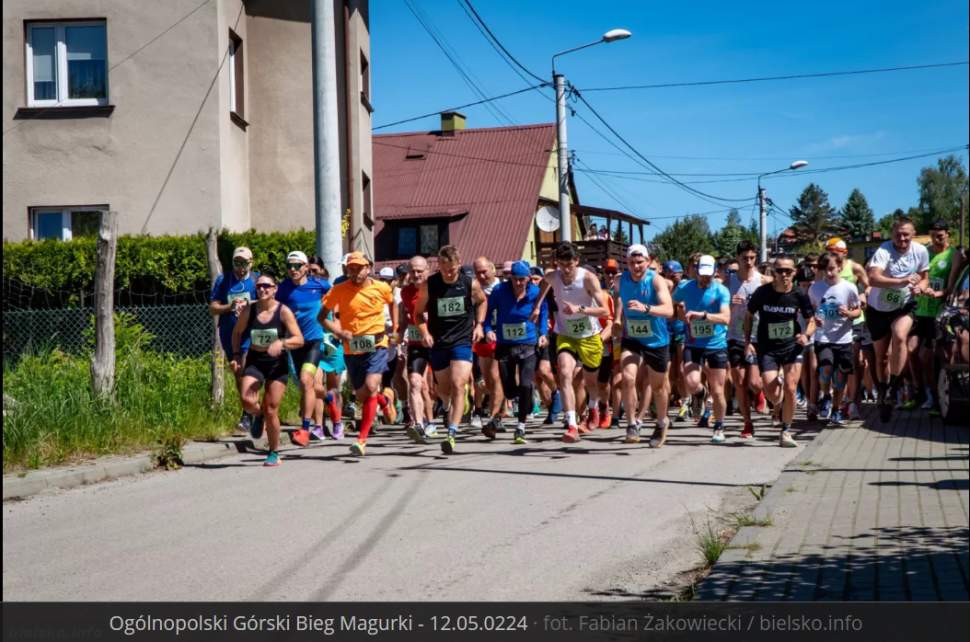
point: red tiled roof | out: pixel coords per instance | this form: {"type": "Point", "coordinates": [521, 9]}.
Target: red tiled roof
{"type": "Point", "coordinates": [494, 175]}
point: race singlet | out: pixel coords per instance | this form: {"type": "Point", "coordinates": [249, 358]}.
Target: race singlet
{"type": "Point", "coordinates": [579, 327]}
{"type": "Point", "coordinates": [639, 328]}
{"type": "Point", "coordinates": [263, 337]}
{"type": "Point", "coordinates": [513, 331]}
{"type": "Point", "coordinates": [362, 344]}
{"type": "Point", "coordinates": [701, 329]}
{"type": "Point", "coordinates": [781, 331]}
{"type": "Point", "coordinates": [453, 306]}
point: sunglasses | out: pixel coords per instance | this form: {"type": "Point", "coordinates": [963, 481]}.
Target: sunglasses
{"type": "Point", "coordinates": [240, 262]}
{"type": "Point", "coordinates": [784, 271]}
{"type": "Point", "coordinates": [295, 266]}
{"type": "Point", "coordinates": [611, 273]}
{"type": "Point", "coordinates": [265, 286]}
{"type": "Point", "coordinates": [750, 258]}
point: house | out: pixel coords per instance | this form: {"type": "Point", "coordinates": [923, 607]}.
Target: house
{"type": "Point", "coordinates": [179, 115]}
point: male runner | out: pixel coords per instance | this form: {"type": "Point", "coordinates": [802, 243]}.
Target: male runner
{"type": "Point", "coordinates": [862, 351]}
{"type": "Point", "coordinates": [643, 305]}
{"type": "Point", "coordinates": [744, 363]}
{"type": "Point", "coordinates": [928, 305]}
{"type": "Point", "coordinates": [674, 273]}
{"type": "Point", "coordinates": [898, 272]}
{"type": "Point", "coordinates": [781, 340]}
{"type": "Point", "coordinates": [545, 380]}
{"type": "Point", "coordinates": [421, 425]}
{"type": "Point", "coordinates": [484, 352]}
{"type": "Point", "coordinates": [455, 307]}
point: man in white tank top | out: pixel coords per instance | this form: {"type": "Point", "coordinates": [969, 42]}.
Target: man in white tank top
{"type": "Point", "coordinates": [581, 304]}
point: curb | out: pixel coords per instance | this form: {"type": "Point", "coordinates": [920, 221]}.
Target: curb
{"type": "Point", "coordinates": [22, 485]}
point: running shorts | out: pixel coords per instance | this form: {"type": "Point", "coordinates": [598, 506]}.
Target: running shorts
{"type": "Point", "coordinates": [861, 335]}
{"type": "Point", "coordinates": [484, 349]}
{"type": "Point", "coordinates": [263, 368]}
{"type": "Point", "coordinates": [925, 329]}
{"type": "Point", "coordinates": [737, 355]}
{"type": "Point", "coordinates": [715, 359]}
{"type": "Point", "coordinates": [773, 360]}
{"type": "Point", "coordinates": [441, 358]}
{"type": "Point", "coordinates": [361, 365]}
{"type": "Point", "coordinates": [657, 359]}
{"type": "Point", "coordinates": [881, 323]}
{"type": "Point", "coordinates": [306, 357]}
{"type": "Point", "coordinates": [588, 350]}
{"type": "Point", "coordinates": [418, 359]}
{"type": "Point", "coordinates": [835, 355]}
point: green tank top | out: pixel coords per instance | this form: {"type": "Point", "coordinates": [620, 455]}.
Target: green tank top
{"type": "Point", "coordinates": [938, 274]}
{"type": "Point", "coordinates": [848, 275]}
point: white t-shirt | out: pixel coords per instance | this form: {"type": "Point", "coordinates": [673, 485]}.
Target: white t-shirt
{"type": "Point", "coordinates": [827, 299]}
{"type": "Point", "coordinates": [897, 265]}
{"type": "Point", "coordinates": [745, 289]}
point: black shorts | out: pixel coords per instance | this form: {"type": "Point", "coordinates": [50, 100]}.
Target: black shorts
{"type": "Point", "coordinates": [738, 357]}
{"type": "Point", "coordinates": [388, 377]}
{"type": "Point", "coordinates": [657, 359]}
{"type": "Point", "coordinates": [542, 354]}
{"type": "Point", "coordinates": [263, 367]}
{"type": "Point", "coordinates": [306, 355]}
{"type": "Point", "coordinates": [418, 358]}
{"type": "Point", "coordinates": [836, 355]}
{"type": "Point", "coordinates": [880, 323]}
{"type": "Point", "coordinates": [925, 329]}
{"type": "Point", "coordinates": [773, 360]}
{"type": "Point", "coordinates": [715, 359]}
{"type": "Point", "coordinates": [605, 372]}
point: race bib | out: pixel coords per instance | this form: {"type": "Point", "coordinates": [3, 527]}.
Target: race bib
{"type": "Point", "coordinates": [232, 296]}
{"type": "Point", "coordinates": [263, 337]}
{"type": "Point", "coordinates": [362, 343]}
{"type": "Point", "coordinates": [513, 331]}
{"type": "Point", "coordinates": [779, 331]}
{"type": "Point", "coordinates": [828, 312]}
{"type": "Point", "coordinates": [452, 306]}
{"type": "Point", "coordinates": [737, 325]}
{"type": "Point", "coordinates": [891, 298]}
{"type": "Point", "coordinates": [639, 329]}
{"type": "Point", "coordinates": [701, 329]}
{"type": "Point", "coordinates": [413, 333]}
{"type": "Point", "coordinates": [936, 284]}
{"type": "Point", "coordinates": [579, 327]}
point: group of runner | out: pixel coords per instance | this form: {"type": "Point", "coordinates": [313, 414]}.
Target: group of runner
{"type": "Point", "coordinates": [590, 345]}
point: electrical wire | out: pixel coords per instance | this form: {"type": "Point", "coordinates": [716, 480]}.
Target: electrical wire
{"type": "Point", "coordinates": [493, 39]}
{"type": "Point", "coordinates": [466, 105]}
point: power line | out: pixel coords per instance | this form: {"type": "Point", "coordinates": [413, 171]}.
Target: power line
{"type": "Point", "coordinates": [611, 193]}
{"type": "Point", "coordinates": [766, 158]}
{"type": "Point", "coordinates": [493, 39]}
{"type": "Point", "coordinates": [477, 102]}
{"type": "Point", "coordinates": [824, 74]}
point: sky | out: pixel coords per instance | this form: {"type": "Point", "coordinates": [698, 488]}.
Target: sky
{"type": "Point", "coordinates": [707, 132]}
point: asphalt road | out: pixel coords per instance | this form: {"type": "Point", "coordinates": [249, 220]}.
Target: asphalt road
{"type": "Point", "coordinates": [545, 521]}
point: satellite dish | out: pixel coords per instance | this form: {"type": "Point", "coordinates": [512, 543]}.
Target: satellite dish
{"type": "Point", "coordinates": [547, 218]}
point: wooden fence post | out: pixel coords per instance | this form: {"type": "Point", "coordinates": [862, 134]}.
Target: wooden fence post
{"type": "Point", "coordinates": [103, 363]}
{"type": "Point", "coordinates": [217, 362]}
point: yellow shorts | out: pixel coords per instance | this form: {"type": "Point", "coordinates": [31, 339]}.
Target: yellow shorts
{"type": "Point", "coordinates": [588, 350]}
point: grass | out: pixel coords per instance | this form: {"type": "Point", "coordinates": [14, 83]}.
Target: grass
{"type": "Point", "coordinates": [747, 519]}
{"type": "Point", "coordinates": [759, 493]}
{"type": "Point", "coordinates": [161, 400]}
{"type": "Point", "coordinates": [711, 541]}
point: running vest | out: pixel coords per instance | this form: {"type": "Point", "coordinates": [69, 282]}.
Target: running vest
{"type": "Point", "coordinates": [578, 325]}
{"type": "Point", "coordinates": [451, 314]}
{"type": "Point", "coordinates": [644, 328]}
{"type": "Point", "coordinates": [263, 334]}
{"type": "Point", "coordinates": [848, 275]}
{"type": "Point", "coordinates": [938, 274]}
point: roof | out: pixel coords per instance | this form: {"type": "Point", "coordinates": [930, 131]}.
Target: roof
{"type": "Point", "coordinates": [486, 181]}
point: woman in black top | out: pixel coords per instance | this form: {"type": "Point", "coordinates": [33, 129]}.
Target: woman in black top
{"type": "Point", "coordinates": [272, 329]}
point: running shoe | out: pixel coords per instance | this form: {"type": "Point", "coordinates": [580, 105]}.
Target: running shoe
{"type": "Point", "coordinates": [490, 429]}
{"type": "Point", "coordinates": [300, 437]}
{"type": "Point", "coordinates": [659, 437]}
{"type": "Point", "coordinates": [718, 436]}
{"type": "Point", "coordinates": [928, 404]}
{"type": "Point", "coordinates": [476, 421]}
{"type": "Point", "coordinates": [317, 434]}
{"type": "Point", "coordinates": [389, 412]}
{"type": "Point", "coordinates": [885, 411]}
{"type": "Point", "coordinates": [748, 431]}
{"type": "Point", "coordinates": [825, 409]}
{"type": "Point", "coordinates": [414, 434]}
{"type": "Point", "coordinates": [705, 420]}
{"type": "Point", "coordinates": [592, 420]}
{"type": "Point", "coordinates": [812, 415]}
{"type": "Point", "coordinates": [519, 438]}
{"type": "Point", "coordinates": [786, 440]}
{"type": "Point", "coordinates": [245, 422]}
{"type": "Point", "coordinates": [836, 419]}
{"type": "Point", "coordinates": [684, 412]}
{"type": "Point", "coordinates": [555, 406]}
{"type": "Point", "coordinates": [448, 445]}
{"type": "Point", "coordinates": [357, 449]}
{"type": "Point", "coordinates": [615, 422]}
{"type": "Point", "coordinates": [762, 406]}
{"type": "Point", "coordinates": [272, 459]}
{"type": "Point", "coordinates": [338, 430]}
{"type": "Point", "coordinates": [776, 414]}
{"type": "Point", "coordinates": [909, 404]}
{"type": "Point", "coordinates": [430, 430]}
{"type": "Point", "coordinates": [854, 413]}
{"type": "Point", "coordinates": [697, 402]}
{"type": "Point", "coordinates": [571, 435]}
{"type": "Point", "coordinates": [606, 418]}
{"type": "Point", "coordinates": [256, 428]}
{"type": "Point", "coordinates": [632, 435]}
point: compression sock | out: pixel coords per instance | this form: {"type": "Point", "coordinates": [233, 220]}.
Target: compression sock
{"type": "Point", "coordinates": [367, 417]}
{"type": "Point", "coordinates": [333, 408]}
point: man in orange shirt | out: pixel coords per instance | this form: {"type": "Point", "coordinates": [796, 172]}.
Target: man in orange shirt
{"type": "Point", "coordinates": [358, 304]}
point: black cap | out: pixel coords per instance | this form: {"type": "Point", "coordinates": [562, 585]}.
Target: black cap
{"type": "Point", "coordinates": [940, 224]}
{"type": "Point", "coordinates": [401, 269]}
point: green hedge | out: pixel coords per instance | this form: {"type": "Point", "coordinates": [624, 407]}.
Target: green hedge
{"type": "Point", "coordinates": [147, 264]}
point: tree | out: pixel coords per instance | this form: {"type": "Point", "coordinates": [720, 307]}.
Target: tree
{"type": "Point", "coordinates": [856, 220]}
{"type": "Point", "coordinates": [684, 237]}
{"type": "Point", "coordinates": [940, 190]}
{"type": "Point", "coordinates": [726, 241]}
{"type": "Point", "coordinates": [813, 218]}
{"type": "Point", "coordinates": [885, 224]}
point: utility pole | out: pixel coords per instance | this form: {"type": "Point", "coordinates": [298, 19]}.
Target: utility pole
{"type": "Point", "coordinates": [763, 219]}
{"type": "Point", "coordinates": [326, 141]}
{"type": "Point", "coordinates": [565, 228]}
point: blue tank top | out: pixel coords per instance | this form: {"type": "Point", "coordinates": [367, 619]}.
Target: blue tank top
{"type": "Point", "coordinates": [304, 301]}
{"type": "Point", "coordinates": [646, 329]}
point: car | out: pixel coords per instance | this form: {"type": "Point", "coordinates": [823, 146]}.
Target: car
{"type": "Point", "coordinates": [953, 333]}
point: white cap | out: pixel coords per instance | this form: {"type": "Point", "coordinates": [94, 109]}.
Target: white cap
{"type": "Point", "coordinates": [706, 266]}
{"type": "Point", "coordinates": [346, 258]}
{"type": "Point", "coordinates": [386, 273]}
{"type": "Point", "coordinates": [243, 252]}
{"type": "Point", "coordinates": [297, 256]}
{"type": "Point", "coordinates": [637, 248]}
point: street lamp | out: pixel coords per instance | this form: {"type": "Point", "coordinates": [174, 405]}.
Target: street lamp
{"type": "Point", "coordinates": [761, 205]}
{"type": "Point", "coordinates": [565, 229]}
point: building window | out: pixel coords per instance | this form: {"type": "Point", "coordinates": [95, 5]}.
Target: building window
{"type": "Point", "coordinates": [364, 78]}
{"type": "Point", "coordinates": [65, 223]}
{"type": "Point", "coordinates": [67, 63]}
{"type": "Point", "coordinates": [423, 238]}
{"type": "Point", "coordinates": [237, 87]}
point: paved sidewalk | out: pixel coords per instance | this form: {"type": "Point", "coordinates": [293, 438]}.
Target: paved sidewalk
{"type": "Point", "coordinates": [874, 512]}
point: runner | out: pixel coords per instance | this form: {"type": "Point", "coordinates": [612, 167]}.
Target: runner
{"type": "Point", "coordinates": [545, 379]}
{"type": "Point", "coordinates": [489, 384]}
{"type": "Point", "coordinates": [805, 277]}
{"type": "Point", "coordinates": [744, 362]}
{"type": "Point", "coordinates": [928, 306]}
{"type": "Point", "coordinates": [610, 376]}
{"type": "Point", "coordinates": [231, 293]}
{"type": "Point", "coordinates": [327, 379]}
{"type": "Point", "coordinates": [580, 301]}
{"type": "Point", "coordinates": [272, 328]}
{"type": "Point", "coordinates": [705, 307]}
{"type": "Point", "coordinates": [358, 320]}
{"type": "Point", "coordinates": [421, 428]}
{"type": "Point", "coordinates": [507, 323]}
{"type": "Point", "coordinates": [862, 351]}
{"type": "Point", "coordinates": [780, 341]}
{"type": "Point", "coordinates": [898, 273]}
{"type": "Point", "coordinates": [302, 294]}
{"type": "Point", "coordinates": [455, 306]}
{"type": "Point", "coordinates": [390, 387]}
{"type": "Point", "coordinates": [676, 330]}
{"type": "Point", "coordinates": [837, 305]}
{"type": "Point", "coordinates": [643, 305]}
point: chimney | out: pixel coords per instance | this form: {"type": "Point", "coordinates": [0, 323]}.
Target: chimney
{"type": "Point", "coordinates": [451, 121]}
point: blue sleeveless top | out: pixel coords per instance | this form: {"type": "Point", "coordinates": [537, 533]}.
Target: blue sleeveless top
{"type": "Point", "coordinates": [646, 329]}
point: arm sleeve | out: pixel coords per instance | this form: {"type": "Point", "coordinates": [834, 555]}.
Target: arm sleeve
{"type": "Point", "coordinates": [543, 328]}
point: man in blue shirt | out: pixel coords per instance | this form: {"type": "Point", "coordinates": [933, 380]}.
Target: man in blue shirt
{"type": "Point", "coordinates": [705, 307]}
{"type": "Point", "coordinates": [232, 292]}
{"type": "Point", "coordinates": [507, 323]}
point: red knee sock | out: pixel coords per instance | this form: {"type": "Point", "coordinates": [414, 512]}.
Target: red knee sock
{"type": "Point", "coordinates": [381, 400]}
{"type": "Point", "coordinates": [367, 417]}
{"type": "Point", "coordinates": [333, 408]}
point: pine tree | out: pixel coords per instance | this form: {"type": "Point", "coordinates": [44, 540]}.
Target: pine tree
{"type": "Point", "coordinates": [856, 220]}
{"type": "Point", "coordinates": [726, 241]}
{"type": "Point", "coordinates": [684, 237]}
{"type": "Point", "coordinates": [813, 218]}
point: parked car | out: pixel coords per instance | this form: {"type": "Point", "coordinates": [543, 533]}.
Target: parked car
{"type": "Point", "coordinates": [953, 329]}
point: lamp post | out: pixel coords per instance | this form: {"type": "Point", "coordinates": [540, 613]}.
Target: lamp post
{"type": "Point", "coordinates": [763, 219]}
{"type": "Point", "coordinates": [565, 230]}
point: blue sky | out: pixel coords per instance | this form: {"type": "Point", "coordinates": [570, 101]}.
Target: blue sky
{"type": "Point", "coordinates": [737, 128]}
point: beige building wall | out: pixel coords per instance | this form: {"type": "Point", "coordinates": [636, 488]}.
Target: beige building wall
{"type": "Point", "coordinates": [234, 183]}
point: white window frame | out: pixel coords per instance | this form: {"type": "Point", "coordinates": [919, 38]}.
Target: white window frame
{"type": "Point", "coordinates": [231, 62]}
{"type": "Point", "coordinates": [60, 53]}
{"type": "Point", "coordinates": [67, 232]}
